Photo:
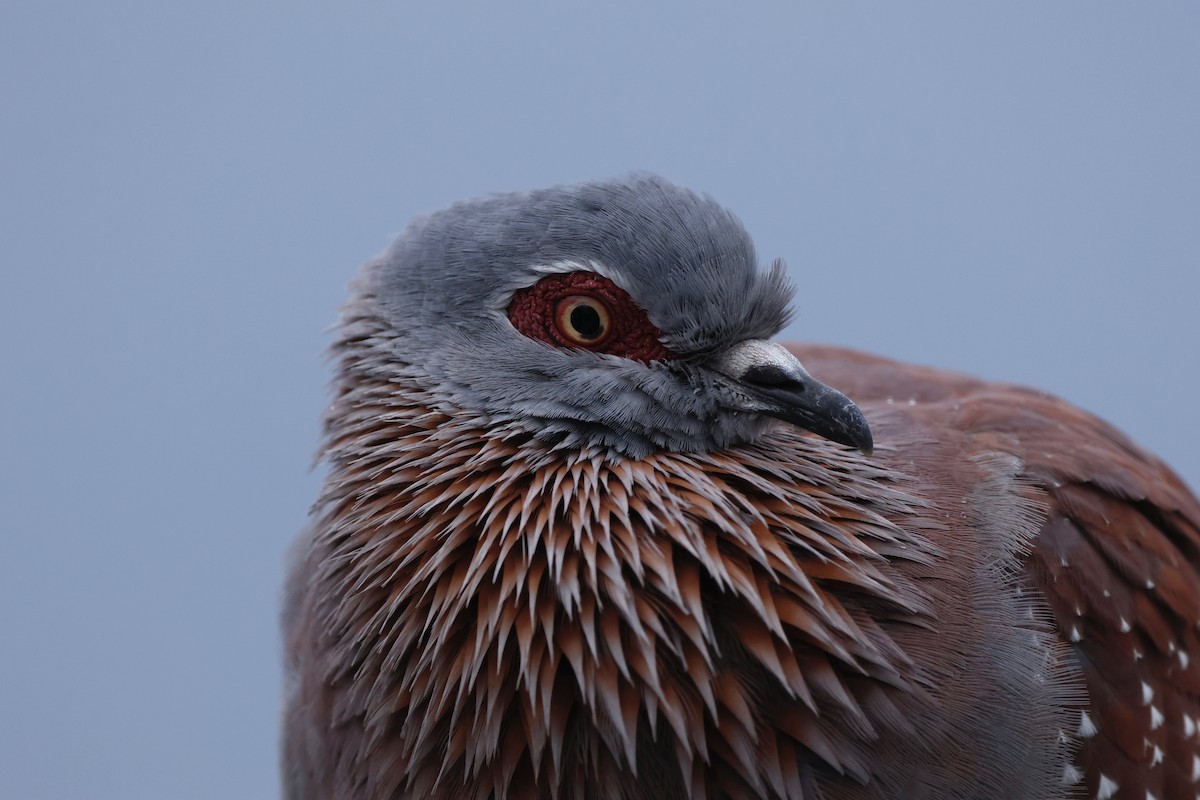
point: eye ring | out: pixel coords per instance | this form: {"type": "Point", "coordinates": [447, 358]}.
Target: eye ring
{"type": "Point", "coordinates": [583, 321]}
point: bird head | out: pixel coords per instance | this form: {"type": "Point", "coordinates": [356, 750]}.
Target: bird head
{"type": "Point", "coordinates": [629, 314]}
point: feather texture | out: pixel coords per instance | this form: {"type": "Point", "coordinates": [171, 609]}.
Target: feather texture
{"type": "Point", "coordinates": [566, 551]}
{"type": "Point", "coordinates": [479, 613]}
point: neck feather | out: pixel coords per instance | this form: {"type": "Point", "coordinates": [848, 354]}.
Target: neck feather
{"type": "Point", "coordinates": [503, 609]}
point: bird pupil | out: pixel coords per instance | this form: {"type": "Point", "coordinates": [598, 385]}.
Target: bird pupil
{"type": "Point", "coordinates": [586, 322]}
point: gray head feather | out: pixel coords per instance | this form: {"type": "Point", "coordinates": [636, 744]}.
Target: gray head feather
{"type": "Point", "coordinates": [445, 284]}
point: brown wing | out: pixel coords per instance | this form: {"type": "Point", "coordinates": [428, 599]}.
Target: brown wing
{"type": "Point", "coordinates": [1118, 560]}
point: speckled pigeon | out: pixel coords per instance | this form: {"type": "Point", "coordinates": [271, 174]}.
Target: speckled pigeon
{"type": "Point", "coordinates": [588, 533]}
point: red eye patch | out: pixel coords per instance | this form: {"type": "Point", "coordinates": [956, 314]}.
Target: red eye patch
{"type": "Point", "coordinates": [587, 311]}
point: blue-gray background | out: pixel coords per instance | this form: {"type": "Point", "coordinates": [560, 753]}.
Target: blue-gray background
{"type": "Point", "coordinates": [1011, 189]}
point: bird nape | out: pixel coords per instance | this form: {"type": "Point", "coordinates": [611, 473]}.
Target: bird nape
{"type": "Point", "coordinates": [588, 533]}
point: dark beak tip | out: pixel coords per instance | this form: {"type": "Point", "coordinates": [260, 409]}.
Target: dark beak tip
{"type": "Point", "coordinates": [787, 392]}
{"type": "Point", "coordinates": [858, 432]}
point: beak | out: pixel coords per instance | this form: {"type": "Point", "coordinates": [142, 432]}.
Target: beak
{"type": "Point", "coordinates": [772, 381]}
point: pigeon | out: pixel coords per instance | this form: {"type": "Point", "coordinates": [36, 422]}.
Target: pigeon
{"type": "Point", "coordinates": [588, 532]}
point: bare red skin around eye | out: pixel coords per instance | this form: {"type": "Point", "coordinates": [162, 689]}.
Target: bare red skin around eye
{"type": "Point", "coordinates": [532, 312]}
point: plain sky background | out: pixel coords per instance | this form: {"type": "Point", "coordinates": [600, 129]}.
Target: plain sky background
{"type": "Point", "coordinates": [1010, 189]}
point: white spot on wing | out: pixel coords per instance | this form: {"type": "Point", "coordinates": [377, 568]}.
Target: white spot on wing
{"type": "Point", "coordinates": [1147, 693]}
{"type": "Point", "coordinates": [1183, 659]}
{"type": "Point", "coordinates": [1071, 775]}
{"type": "Point", "coordinates": [1086, 728]}
{"type": "Point", "coordinates": [1195, 768]}
{"type": "Point", "coordinates": [1189, 726]}
{"type": "Point", "coordinates": [1125, 625]}
{"type": "Point", "coordinates": [1156, 718]}
{"type": "Point", "coordinates": [1075, 634]}
{"type": "Point", "coordinates": [1157, 757]}
{"type": "Point", "coordinates": [1107, 789]}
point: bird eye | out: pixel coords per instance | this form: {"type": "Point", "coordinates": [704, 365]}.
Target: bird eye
{"type": "Point", "coordinates": [587, 311]}
{"type": "Point", "coordinates": [583, 320]}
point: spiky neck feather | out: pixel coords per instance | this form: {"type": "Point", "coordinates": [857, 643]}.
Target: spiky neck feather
{"type": "Point", "coordinates": [512, 614]}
